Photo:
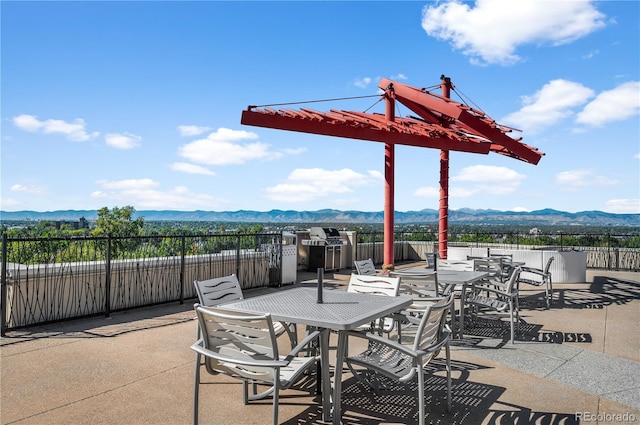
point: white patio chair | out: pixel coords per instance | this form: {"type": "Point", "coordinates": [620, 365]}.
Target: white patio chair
{"type": "Point", "coordinates": [542, 277]}
{"type": "Point", "coordinates": [431, 260]}
{"type": "Point", "coordinates": [417, 284]}
{"type": "Point", "coordinates": [365, 267]}
{"type": "Point", "coordinates": [219, 290]}
{"type": "Point", "coordinates": [244, 346]}
{"type": "Point", "coordinates": [402, 362]}
{"type": "Point", "coordinates": [377, 285]}
{"type": "Point", "coordinates": [424, 290]}
{"type": "Point", "coordinates": [492, 265]}
{"type": "Point", "coordinates": [494, 295]}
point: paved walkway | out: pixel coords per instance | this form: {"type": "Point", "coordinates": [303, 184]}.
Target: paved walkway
{"type": "Point", "coordinates": [577, 363]}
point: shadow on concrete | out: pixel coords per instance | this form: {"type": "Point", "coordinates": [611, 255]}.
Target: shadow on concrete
{"type": "Point", "coordinates": [604, 291]}
{"type": "Point", "coordinates": [473, 403]}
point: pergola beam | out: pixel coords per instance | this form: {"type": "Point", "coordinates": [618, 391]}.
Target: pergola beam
{"type": "Point", "coordinates": [327, 125]}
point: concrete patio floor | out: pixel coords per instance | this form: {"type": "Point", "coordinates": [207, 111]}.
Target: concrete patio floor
{"type": "Point", "coordinates": [577, 363]}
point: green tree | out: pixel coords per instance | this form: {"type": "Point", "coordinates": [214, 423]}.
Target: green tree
{"type": "Point", "coordinates": [122, 228]}
{"type": "Point", "coordinates": [118, 222]}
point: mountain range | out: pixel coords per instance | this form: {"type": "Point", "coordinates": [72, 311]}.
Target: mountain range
{"type": "Point", "coordinates": [461, 216]}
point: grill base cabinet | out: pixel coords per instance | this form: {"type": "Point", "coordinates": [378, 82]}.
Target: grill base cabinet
{"type": "Point", "coordinates": [327, 257]}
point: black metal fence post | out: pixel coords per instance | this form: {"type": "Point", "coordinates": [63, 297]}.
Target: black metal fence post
{"type": "Point", "coordinates": [238, 257]}
{"type": "Point", "coordinates": [280, 266]}
{"type": "Point", "coordinates": [107, 283]}
{"type": "Point", "coordinates": [182, 263]}
{"type": "Point", "coordinates": [3, 287]}
{"type": "Point", "coordinates": [609, 265]}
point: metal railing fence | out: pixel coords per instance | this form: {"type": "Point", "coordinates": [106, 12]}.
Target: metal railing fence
{"type": "Point", "coordinates": [45, 280]}
{"type": "Point", "coordinates": [604, 251]}
{"type": "Point", "coordinates": [52, 279]}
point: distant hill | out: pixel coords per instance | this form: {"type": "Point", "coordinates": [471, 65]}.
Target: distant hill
{"type": "Point", "coordinates": [462, 216]}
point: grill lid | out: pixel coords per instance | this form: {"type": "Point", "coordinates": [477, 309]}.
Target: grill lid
{"type": "Point", "coordinates": [324, 233]}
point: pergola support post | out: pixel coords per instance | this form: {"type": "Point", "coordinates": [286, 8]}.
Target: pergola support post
{"type": "Point", "coordinates": [443, 211]}
{"type": "Point", "coordinates": [389, 163]}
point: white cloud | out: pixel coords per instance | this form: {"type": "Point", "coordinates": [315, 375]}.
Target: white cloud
{"type": "Point", "coordinates": [26, 189]}
{"type": "Point", "coordinates": [144, 194]}
{"type": "Point", "coordinates": [574, 180]}
{"type": "Point", "coordinates": [554, 102]}
{"type": "Point", "coordinates": [191, 168]}
{"type": "Point", "coordinates": [7, 204]}
{"type": "Point", "coordinates": [222, 147]}
{"type": "Point", "coordinates": [129, 184]}
{"type": "Point", "coordinates": [363, 83]}
{"type": "Point", "coordinates": [400, 76]}
{"type": "Point", "coordinates": [308, 184]}
{"type": "Point", "coordinates": [617, 104]}
{"type": "Point", "coordinates": [122, 141]}
{"type": "Point", "coordinates": [490, 179]}
{"type": "Point", "coordinates": [427, 192]}
{"type": "Point", "coordinates": [192, 130]}
{"type": "Point", "coordinates": [623, 206]}
{"type": "Point", "coordinates": [292, 151]}
{"type": "Point", "coordinates": [478, 179]}
{"type": "Point", "coordinates": [75, 131]}
{"type": "Point", "coordinates": [492, 30]}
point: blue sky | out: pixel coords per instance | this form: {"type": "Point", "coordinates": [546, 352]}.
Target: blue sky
{"type": "Point", "coordinates": [139, 103]}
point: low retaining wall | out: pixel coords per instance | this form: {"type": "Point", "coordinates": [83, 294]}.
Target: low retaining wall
{"type": "Point", "coordinates": [567, 266]}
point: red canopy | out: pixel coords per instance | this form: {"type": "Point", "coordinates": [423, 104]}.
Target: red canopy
{"type": "Point", "coordinates": [440, 123]}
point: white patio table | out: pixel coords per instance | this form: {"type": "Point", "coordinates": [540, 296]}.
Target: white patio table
{"type": "Point", "coordinates": [340, 311]}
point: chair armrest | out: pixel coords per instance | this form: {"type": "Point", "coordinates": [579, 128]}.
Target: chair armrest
{"type": "Point", "coordinates": [384, 341]}
{"type": "Point", "coordinates": [488, 284]}
{"type": "Point", "coordinates": [444, 339]}
{"type": "Point", "coordinates": [302, 344]}
{"type": "Point", "coordinates": [501, 292]}
{"type": "Point", "coordinates": [533, 270]}
{"type": "Point", "coordinates": [261, 363]}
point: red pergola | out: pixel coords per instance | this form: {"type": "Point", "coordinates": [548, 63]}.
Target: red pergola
{"type": "Point", "coordinates": [441, 123]}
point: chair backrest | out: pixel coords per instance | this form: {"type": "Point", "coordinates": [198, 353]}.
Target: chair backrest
{"type": "Point", "coordinates": [460, 265]}
{"type": "Point", "coordinates": [237, 339]}
{"type": "Point", "coordinates": [415, 284]}
{"type": "Point", "coordinates": [507, 257]}
{"type": "Point", "coordinates": [365, 267]}
{"type": "Point", "coordinates": [432, 260]}
{"type": "Point", "coordinates": [548, 266]}
{"type": "Point", "coordinates": [431, 324]}
{"type": "Point", "coordinates": [492, 265]}
{"type": "Point", "coordinates": [513, 278]}
{"type": "Point", "coordinates": [212, 292]}
{"type": "Point", "coordinates": [378, 285]}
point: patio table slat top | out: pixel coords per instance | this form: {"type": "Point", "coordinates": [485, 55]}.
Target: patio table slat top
{"type": "Point", "coordinates": [340, 310]}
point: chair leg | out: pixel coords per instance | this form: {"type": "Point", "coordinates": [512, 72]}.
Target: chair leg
{"type": "Point", "coordinates": [245, 392]}
{"type": "Point", "coordinates": [276, 394]}
{"type": "Point", "coordinates": [550, 286]}
{"type": "Point", "coordinates": [448, 366]}
{"type": "Point", "coordinates": [511, 321]}
{"type": "Point", "coordinates": [196, 391]}
{"type": "Point", "coordinates": [420, 394]}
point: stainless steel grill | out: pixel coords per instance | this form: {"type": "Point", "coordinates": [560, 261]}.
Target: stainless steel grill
{"type": "Point", "coordinates": [325, 248]}
{"type": "Point", "coordinates": [321, 236]}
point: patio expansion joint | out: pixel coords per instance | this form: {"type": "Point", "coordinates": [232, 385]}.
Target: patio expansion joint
{"type": "Point", "coordinates": [563, 361]}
